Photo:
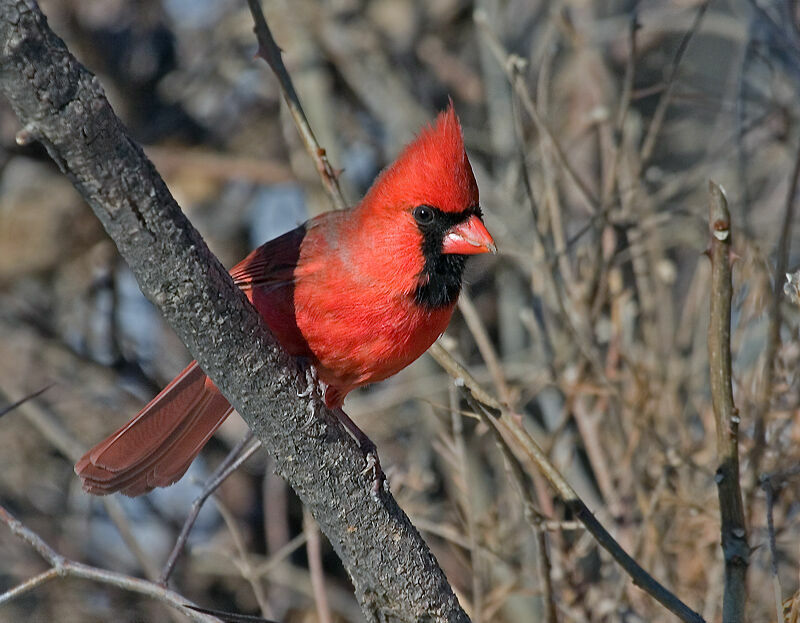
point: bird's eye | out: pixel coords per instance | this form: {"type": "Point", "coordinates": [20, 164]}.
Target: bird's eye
{"type": "Point", "coordinates": [423, 215]}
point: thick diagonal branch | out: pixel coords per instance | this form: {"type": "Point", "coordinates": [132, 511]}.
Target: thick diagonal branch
{"type": "Point", "coordinates": [62, 105]}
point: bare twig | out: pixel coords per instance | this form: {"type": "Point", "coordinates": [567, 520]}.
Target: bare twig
{"type": "Point", "coordinates": [532, 515]}
{"type": "Point", "coordinates": [57, 435]}
{"type": "Point", "coordinates": [666, 96]}
{"type": "Point", "coordinates": [63, 567]}
{"type": "Point", "coordinates": [734, 533]}
{"type": "Point", "coordinates": [231, 617]}
{"type": "Point", "coordinates": [513, 67]}
{"type": "Point", "coordinates": [468, 509]}
{"type": "Point", "coordinates": [640, 577]}
{"type": "Point", "coordinates": [280, 555]}
{"type": "Point", "coordinates": [769, 490]}
{"type": "Point", "coordinates": [236, 457]}
{"type": "Point", "coordinates": [484, 342]}
{"type": "Point", "coordinates": [317, 573]}
{"type": "Point", "coordinates": [242, 559]}
{"type": "Point", "coordinates": [29, 585]}
{"type": "Point", "coordinates": [511, 430]}
{"type": "Point", "coordinates": [775, 320]}
{"type": "Point", "coordinates": [21, 401]}
{"type": "Point", "coordinates": [271, 53]}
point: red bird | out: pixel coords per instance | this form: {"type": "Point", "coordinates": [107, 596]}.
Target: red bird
{"type": "Point", "coordinates": [360, 293]}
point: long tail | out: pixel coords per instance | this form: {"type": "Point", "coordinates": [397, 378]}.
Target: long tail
{"type": "Point", "coordinates": [157, 446]}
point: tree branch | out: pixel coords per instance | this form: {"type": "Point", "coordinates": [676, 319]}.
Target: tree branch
{"type": "Point", "coordinates": [726, 416]}
{"type": "Point", "coordinates": [62, 105]}
{"type": "Point", "coordinates": [510, 431]}
{"type": "Point", "coordinates": [268, 50]}
{"type": "Point", "coordinates": [63, 567]}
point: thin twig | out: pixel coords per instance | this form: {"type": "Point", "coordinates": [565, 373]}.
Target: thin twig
{"type": "Point", "coordinates": [62, 439]}
{"type": "Point", "coordinates": [63, 567]}
{"type": "Point", "coordinates": [769, 490]}
{"type": "Point", "coordinates": [640, 577]}
{"type": "Point", "coordinates": [462, 376]}
{"type": "Point", "coordinates": [282, 554]}
{"type": "Point", "coordinates": [468, 509]}
{"type": "Point", "coordinates": [513, 66]}
{"type": "Point", "coordinates": [315, 570]}
{"type": "Point", "coordinates": [231, 617]}
{"type": "Point", "coordinates": [271, 53]}
{"type": "Point", "coordinates": [775, 320]}
{"type": "Point", "coordinates": [242, 560]}
{"type": "Point", "coordinates": [511, 429]}
{"type": "Point", "coordinates": [532, 515]}
{"type": "Point", "coordinates": [666, 96]}
{"type": "Point", "coordinates": [29, 585]}
{"type": "Point", "coordinates": [21, 401]}
{"type": "Point", "coordinates": [236, 457]}
{"type": "Point", "coordinates": [484, 343]}
{"type": "Point", "coordinates": [726, 416]}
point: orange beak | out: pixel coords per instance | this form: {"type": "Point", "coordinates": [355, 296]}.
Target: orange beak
{"type": "Point", "coordinates": [468, 238]}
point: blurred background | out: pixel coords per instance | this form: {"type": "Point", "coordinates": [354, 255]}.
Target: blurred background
{"type": "Point", "coordinates": [593, 129]}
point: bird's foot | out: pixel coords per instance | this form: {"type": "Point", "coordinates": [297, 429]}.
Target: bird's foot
{"type": "Point", "coordinates": [313, 382]}
{"type": "Point", "coordinates": [367, 446]}
{"type": "Point", "coordinates": [373, 465]}
{"type": "Point", "coordinates": [313, 386]}
{"type": "Point", "coordinates": [312, 414]}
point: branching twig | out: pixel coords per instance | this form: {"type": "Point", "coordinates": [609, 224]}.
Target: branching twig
{"type": "Point", "coordinates": [514, 434]}
{"type": "Point", "coordinates": [63, 567]}
{"type": "Point", "coordinates": [315, 569]}
{"type": "Point", "coordinates": [532, 515]}
{"type": "Point", "coordinates": [242, 560]}
{"type": "Point", "coordinates": [271, 53]}
{"type": "Point", "coordinates": [484, 343]}
{"type": "Point", "coordinates": [775, 320]}
{"type": "Point", "coordinates": [236, 457]}
{"type": "Point", "coordinates": [769, 490]}
{"type": "Point", "coordinates": [511, 64]}
{"type": "Point", "coordinates": [666, 96]}
{"type": "Point", "coordinates": [57, 435]}
{"type": "Point", "coordinates": [726, 416]}
{"type": "Point", "coordinates": [21, 401]}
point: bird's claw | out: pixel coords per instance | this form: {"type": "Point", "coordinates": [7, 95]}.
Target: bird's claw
{"type": "Point", "coordinates": [313, 382]}
{"type": "Point", "coordinates": [367, 446]}
{"type": "Point", "coordinates": [373, 465]}
{"type": "Point", "coordinates": [312, 414]}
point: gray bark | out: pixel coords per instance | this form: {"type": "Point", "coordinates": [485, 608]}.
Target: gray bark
{"type": "Point", "coordinates": [62, 105]}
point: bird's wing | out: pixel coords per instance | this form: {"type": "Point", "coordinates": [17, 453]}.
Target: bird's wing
{"type": "Point", "coordinates": [272, 265]}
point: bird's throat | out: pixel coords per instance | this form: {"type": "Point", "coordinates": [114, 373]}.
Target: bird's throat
{"type": "Point", "coordinates": [439, 282]}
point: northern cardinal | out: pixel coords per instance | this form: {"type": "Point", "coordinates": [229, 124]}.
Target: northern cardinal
{"type": "Point", "coordinates": [360, 293]}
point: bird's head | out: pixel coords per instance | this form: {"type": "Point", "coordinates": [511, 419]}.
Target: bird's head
{"type": "Point", "coordinates": [428, 199]}
{"type": "Point", "coordinates": [430, 187]}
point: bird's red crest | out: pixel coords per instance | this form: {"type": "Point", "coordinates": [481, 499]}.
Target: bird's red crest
{"type": "Point", "coordinates": [433, 169]}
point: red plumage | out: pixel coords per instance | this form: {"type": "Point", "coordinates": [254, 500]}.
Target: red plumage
{"type": "Point", "coordinates": [341, 290]}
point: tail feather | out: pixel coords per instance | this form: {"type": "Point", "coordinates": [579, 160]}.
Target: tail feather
{"type": "Point", "coordinates": [157, 446]}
